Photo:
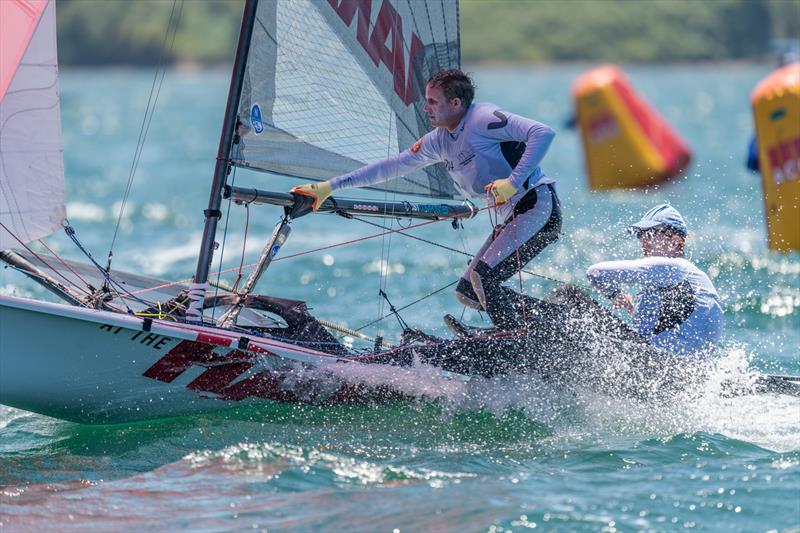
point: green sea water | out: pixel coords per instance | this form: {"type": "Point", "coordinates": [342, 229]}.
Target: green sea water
{"type": "Point", "coordinates": [510, 454]}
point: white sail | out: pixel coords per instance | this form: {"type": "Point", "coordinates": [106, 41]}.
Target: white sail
{"type": "Point", "coordinates": [32, 197]}
{"type": "Point", "coordinates": [331, 85]}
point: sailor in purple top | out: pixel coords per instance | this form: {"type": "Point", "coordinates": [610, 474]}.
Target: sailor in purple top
{"type": "Point", "coordinates": [484, 148]}
{"type": "Point", "coordinates": [677, 307]}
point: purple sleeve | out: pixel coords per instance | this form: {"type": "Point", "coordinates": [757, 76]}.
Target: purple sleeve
{"type": "Point", "coordinates": [421, 154]}
{"type": "Point", "coordinates": [536, 136]}
{"type": "Point", "coordinates": [609, 276]}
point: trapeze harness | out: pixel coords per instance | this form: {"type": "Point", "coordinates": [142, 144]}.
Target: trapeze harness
{"type": "Point", "coordinates": [677, 308]}
{"type": "Point", "coordinates": [488, 144]}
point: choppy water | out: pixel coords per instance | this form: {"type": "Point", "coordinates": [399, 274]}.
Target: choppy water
{"type": "Point", "coordinates": [496, 455]}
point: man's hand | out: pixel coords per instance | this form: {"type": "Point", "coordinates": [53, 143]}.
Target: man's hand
{"type": "Point", "coordinates": [623, 301]}
{"type": "Point", "coordinates": [501, 190]}
{"type": "Point", "coordinates": [318, 191]}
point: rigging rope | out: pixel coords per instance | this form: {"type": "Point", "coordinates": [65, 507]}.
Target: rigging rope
{"type": "Point", "coordinates": [401, 231]}
{"type": "Point", "coordinates": [172, 26]}
{"type": "Point", "coordinates": [110, 282]}
{"type": "Point", "coordinates": [48, 265]}
{"type": "Point", "coordinates": [440, 289]}
{"type": "Point", "coordinates": [388, 230]}
{"type": "Point", "coordinates": [244, 247]}
{"type": "Point", "coordinates": [40, 241]}
{"type": "Point", "coordinates": [519, 273]}
{"type": "Point", "coordinates": [224, 241]}
{"type": "Point", "coordinates": [384, 268]}
{"type": "Point", "coordinates": [52, 281]}
{"type": "Point", "coordinates": [320, 249]}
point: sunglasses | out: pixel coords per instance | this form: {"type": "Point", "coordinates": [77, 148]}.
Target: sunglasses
{"type": "Point", "coordinates": [649, 233]}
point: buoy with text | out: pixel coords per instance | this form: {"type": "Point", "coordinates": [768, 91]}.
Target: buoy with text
{"type": "Point", "coordinates": [776, 110]}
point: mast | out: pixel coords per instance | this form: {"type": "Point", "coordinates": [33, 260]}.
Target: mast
{"type": "Point", "coordinates": [213, 213]}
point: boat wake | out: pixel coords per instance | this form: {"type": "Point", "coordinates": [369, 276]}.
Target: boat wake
{"type": "Point", "coordinates": [420, 381]}
{"type": "Point", "coordinates": [719, 396]}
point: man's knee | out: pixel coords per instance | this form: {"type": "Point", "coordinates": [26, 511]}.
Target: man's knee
{"type": "Point", "coordinates": [466, 295]}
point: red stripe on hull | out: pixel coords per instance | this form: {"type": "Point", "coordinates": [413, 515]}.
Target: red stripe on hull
{"type": "Point", "coordinates": [217, 378]}
{"type": "Point", "coordinates": [179, 359]}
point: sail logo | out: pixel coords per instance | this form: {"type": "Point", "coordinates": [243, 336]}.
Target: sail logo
{"type": "Point", "coordinates": [374, 38]}
{"type": "Point", "coordinates": [255, 119]}
{"type": "Point", "coordinates": [784, 158]}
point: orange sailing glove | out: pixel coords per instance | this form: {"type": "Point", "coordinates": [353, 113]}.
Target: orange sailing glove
{"type": "Point", "coordinates": [502, 190]}
{"type": "Point", "coordinates": [318, 191]}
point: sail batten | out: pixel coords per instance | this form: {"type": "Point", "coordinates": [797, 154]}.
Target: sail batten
{"type": "Point", "coordinates": [332, 85]}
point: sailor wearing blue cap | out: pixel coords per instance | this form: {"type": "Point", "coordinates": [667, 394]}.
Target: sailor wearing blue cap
{"type": "Point", "coordinates": [677, 307]}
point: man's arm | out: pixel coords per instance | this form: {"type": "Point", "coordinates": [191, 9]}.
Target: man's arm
{"type": "Point", "coordinates": [420, 155]}
{"type": "Point", "coordinates": [536, 136]}
{"type": "Point", "coordinates": [609, 276]}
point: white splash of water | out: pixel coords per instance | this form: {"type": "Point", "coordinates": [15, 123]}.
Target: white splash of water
{"type": "Point", "coordinates": [718, 397]}
{"type": "Point", "coordinates": [769, 420]}
{"type": "Point", "coordinates": [541, 401]}
{"type": "Point", "coordinates": [722, 401]}
{"type": "Point", "coordinates": [417, 381]}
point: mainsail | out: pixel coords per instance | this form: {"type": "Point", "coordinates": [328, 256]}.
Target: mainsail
{"type": "Point", "coordinates": [32, 198]}
{"type": "Point", "coordinates": [331, 85]}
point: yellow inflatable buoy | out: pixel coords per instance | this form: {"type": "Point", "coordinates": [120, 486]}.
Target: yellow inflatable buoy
{"type": "Point", "coordinates": [776, 109]}
{"type": "Point", "coordinates": [626, 142]}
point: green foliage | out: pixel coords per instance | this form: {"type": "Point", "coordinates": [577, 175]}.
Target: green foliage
{"type": "Point", "coordinates": [132, 31]}
{"type": "Point", "coordinates": [92, 32]}
{"type": "Point", "coordinates": [624, 30]}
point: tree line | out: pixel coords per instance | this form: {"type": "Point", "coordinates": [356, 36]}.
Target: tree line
{"type": "Point", "coordinates": [132, 32]}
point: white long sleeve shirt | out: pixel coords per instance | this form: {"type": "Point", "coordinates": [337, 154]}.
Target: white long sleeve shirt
{"type": "Point", "coordinates": [472, 154]}
{"type": "Point", "coordinates": [677, 307]}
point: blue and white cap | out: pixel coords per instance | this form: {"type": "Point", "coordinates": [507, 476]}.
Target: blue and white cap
{"type": "Point", "coordinates": [661, 215]}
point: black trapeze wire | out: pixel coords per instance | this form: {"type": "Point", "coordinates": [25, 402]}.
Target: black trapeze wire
{"type": "Point", "coordinates": [445, 247]}
{"type": "Point", "coordinates": [395, 311]}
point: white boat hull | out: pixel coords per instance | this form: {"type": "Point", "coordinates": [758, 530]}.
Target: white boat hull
{"type": "Point", "coordinates": [92, 366]}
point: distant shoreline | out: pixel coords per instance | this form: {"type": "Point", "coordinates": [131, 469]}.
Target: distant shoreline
{"type": "Point", "coordinates": [192, 66]}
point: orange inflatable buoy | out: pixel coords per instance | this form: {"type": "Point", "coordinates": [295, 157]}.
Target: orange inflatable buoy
{"type": "Point", "coordinates": [776, 109]}
{"type": "Point", "coordinates": [626, 142]}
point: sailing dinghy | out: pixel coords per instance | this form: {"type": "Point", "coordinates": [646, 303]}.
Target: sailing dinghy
{"type": "Point", "coordinates": [125, 347]}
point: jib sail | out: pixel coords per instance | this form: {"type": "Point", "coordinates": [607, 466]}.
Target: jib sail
{"type": "Point", "coordinates": [32, 198]}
